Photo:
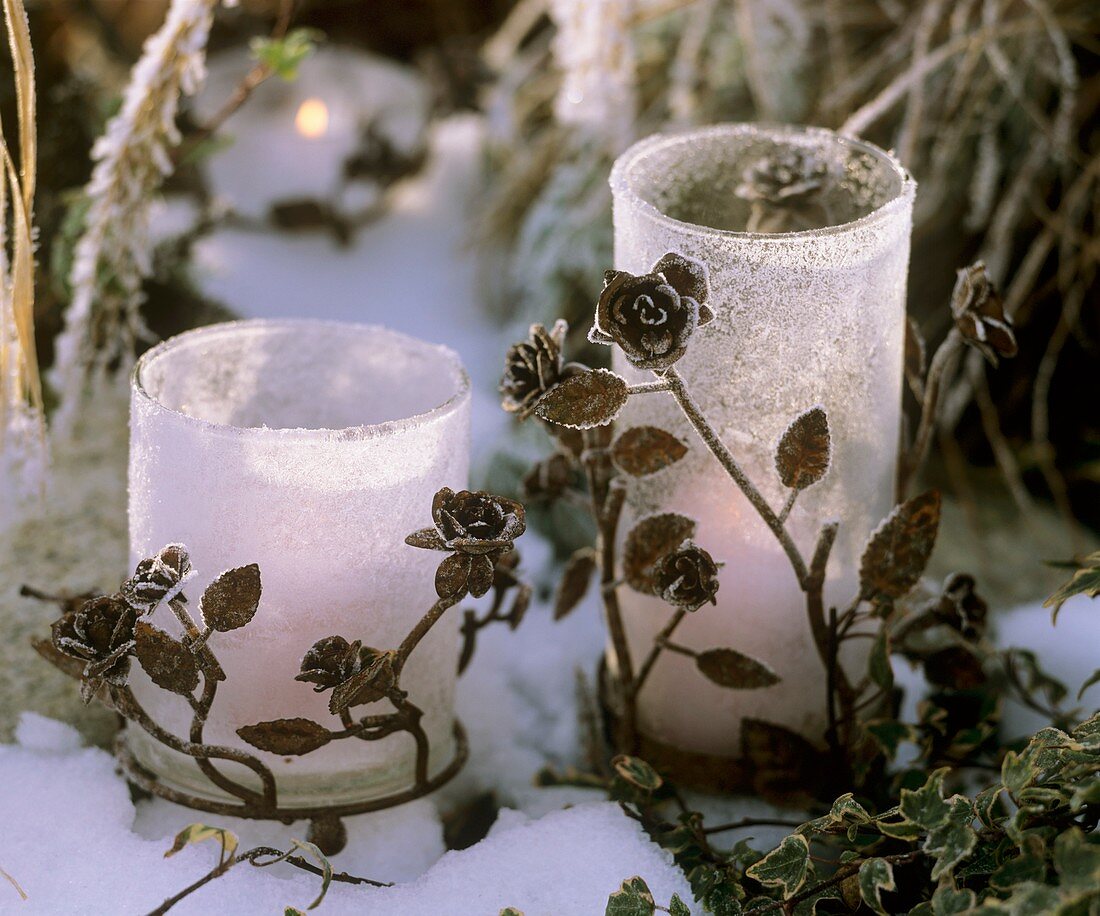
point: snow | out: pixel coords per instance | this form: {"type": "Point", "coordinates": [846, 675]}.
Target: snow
{"type": "Point", "coordinates": [516, 700]}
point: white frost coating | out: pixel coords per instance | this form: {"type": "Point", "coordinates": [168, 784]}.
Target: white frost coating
{"type": "Point", "coordinates": [803, 318]}
{"type": "Point", "coordinates": [311, 448]}
{"type": "Point", "coordinates": [132, 159]}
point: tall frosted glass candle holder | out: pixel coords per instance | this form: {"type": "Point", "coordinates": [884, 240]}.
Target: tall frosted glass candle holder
{"type": "Point", "coordinates": [310, 449]}
{"type": "Point", "coordinates": [806, 237]}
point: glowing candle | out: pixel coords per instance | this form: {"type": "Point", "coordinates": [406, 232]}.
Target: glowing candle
{"type": "Point", "coordinates": [311, 449]}
{"type": "Point", "coordinates": [806, 237]}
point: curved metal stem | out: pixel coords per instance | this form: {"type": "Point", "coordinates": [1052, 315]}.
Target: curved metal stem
{"type": "Point", "coordinates": [128, 706]}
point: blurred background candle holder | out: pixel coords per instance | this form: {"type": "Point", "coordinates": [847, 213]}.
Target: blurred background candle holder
{"type": "Point", "coordinates": [311, 449]}
{"type": "Point", "coordinates": [806, 237]}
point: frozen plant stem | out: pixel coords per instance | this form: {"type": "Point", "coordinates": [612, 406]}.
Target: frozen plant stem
{"type": "Point", "coordinates": [910, 466]}
{"type": "Point", "coordinates": [251, 856]}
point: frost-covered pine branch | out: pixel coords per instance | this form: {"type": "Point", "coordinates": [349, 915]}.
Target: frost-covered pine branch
{"type": "Point", "coordinates": [594, 49]}
{"type": "Point", "coordinates": [132, 158]}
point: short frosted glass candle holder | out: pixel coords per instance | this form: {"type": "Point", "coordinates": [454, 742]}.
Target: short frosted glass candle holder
{"type": "Point", "coordinates": [311, 449]}
{"type": "Point", "coordinates": [806, 237]}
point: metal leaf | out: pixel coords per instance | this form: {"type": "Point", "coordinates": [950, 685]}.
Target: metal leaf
{"type": "Point", "coordinates": [729, 668]}
{"type": "Point", "coordinates": [368, 686]}
{"type": "Point", "coordinates": [574, 581]}
{"type": "Point", "coordinates": [650, 540]}
{"type": "Point", "coordinates": [481, 575]}
{"type": "Point", "coordinates": [426, 539]}
{"type": "Point", "coordinates": [802, 457]}
{"type": "Point", "coordinates": [231, 600]}
{"type": "Point", "coordinates": [643, 450]}
{"type": "Point", "coordinates": [285, 737]}
{"type": "Point", "coordinates": [592, 398]}
{"type": "Point", "coordinates": [452, 575]}
{"type": "Point", "coordinates": [167, 661]}
{"type": "Point", "coordinates": [898, 550]}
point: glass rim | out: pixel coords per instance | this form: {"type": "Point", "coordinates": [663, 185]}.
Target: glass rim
{"type": "Point", "coordinates": [451, 362]}
{"type": "Point", "coordinates": [623, 187]}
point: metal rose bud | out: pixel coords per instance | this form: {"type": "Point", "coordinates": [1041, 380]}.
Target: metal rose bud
{"type": "Point", "coordinates": [787, 175]}
{"type": "Point", "coordinates": [101, 633]}
{"type": "Point", "coordinates": [158, 578]}
{"type": "Point", "coordinates": [471, 522]}
{"type": "Point", "coordinates": [531, 368]}
{"type": "Point", "coordinates": [548, 479]}
{"type": "Point", "coordinates": [979, 314]}
{"type": "Point", "coordinates": [687, 578]}
{"type": "Point", "coordinates": [652, 316]}
{"type": "Point", "coordinates": [961, 607]}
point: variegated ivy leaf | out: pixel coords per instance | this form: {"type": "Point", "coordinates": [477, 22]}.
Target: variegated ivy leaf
{"type": "Point", "coordinates": [638, 773]}
{"type": "Point", "coordinates": [1077, 862]}
{"type": "Point", "coordinates": [802, 457]}
{"type": "Point", "coordinates": [286, 737]}
{"type": "Point", "coordinates": [1086, 581]}
{"type": "Point", "coordinates": [643, 450]}
{"type": "Point", "coordinates": [951, 901]}
{"type": "Point", "coordinates": [729, 668]}
{"type": "Point", "coordinates": [786, 867]}
{"type": "Point", "coordinates": [591, 398]}
{"type": "Point", "coordinates": [898, 550]}
{"type": "Point", "coordinates": [876, 876]}
{"type": "Point", "coordinates": [167, 661]}
{"type": "Point", "coordinates": [197, 833]}
{"type": "Point", "coordinates": [231, 600]}
{"type": "Point", "coordinates": [650, 540]}
{"type": "Point", "coordinates": [677, 907]}
{"type": "Point", "coordinates": [633, 898]}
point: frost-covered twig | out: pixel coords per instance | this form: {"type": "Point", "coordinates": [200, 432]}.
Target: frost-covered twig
{"type": "Point", "coordinates": [132, 159]}
{"type": "Point", "coordinates": [594, 49]}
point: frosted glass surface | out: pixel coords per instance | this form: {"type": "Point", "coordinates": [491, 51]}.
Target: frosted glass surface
{"type": "Point", "coordinates": [312, 449]}
{"type": "Point", "coordinates": [803, 318]}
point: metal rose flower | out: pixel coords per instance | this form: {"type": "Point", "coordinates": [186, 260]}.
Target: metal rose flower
{"type": "Point", "coordinates": [531, 368]}
{"type": "Point", "coordinates": [687, 578]}
{"type": "Point", "coordinates": [471, 522]}
{"type": "Point", "coordinates": [358, 674]}
{"type": "Point", "coordinates": [331, 661]}
{"type": "Point", "coordinates": [158, 578]}
{"type": "Point", "coordinates": [652, 316]}
{"type": "Point", "coordinates": [961, 607]}
{"type": "Point", "coordinates": [101, 634]}
{"type": "Point", "coordinates": [979, 314]}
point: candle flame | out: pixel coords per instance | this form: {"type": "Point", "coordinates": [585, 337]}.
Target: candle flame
{"type": "Point", "coordinates": [311, 119]}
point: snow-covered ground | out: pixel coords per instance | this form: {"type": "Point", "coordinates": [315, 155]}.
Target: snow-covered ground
{"type": "Point", "coordinates": [74, 842]}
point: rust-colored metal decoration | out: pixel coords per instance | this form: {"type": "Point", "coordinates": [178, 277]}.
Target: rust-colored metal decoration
{"type": "Point", "coordinates": [96, 639]}
{"type": "Point", "coordinates": [652, 319]}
